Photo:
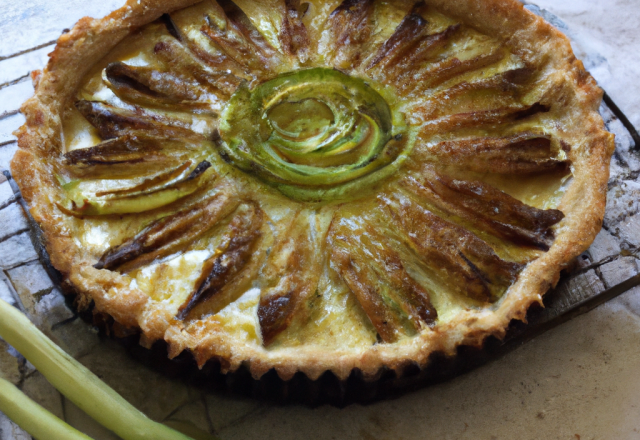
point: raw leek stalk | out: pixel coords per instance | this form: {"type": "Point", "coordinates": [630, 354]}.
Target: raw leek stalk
{"type": "Point", "coordinates": [33, 418]}
{"type": "Point", "coordinates": [77, 383]}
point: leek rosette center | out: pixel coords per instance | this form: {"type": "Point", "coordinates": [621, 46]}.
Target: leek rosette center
{"type": "Point", "coordinates": [315, 134]}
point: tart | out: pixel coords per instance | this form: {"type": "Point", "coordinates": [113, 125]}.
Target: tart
{"type": "Point", "coordinates": [312, 186]}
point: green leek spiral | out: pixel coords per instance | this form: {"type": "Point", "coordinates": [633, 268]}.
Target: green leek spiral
{"type": "Point", "coordinates": [314, 134]}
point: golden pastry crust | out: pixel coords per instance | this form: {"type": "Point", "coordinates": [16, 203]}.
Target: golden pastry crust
{"type": "Point", "coordinates": [570, 94]}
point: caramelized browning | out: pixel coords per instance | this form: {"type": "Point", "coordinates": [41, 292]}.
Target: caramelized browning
{"type": "Point", "coordinates": [481, 118]}
{"type": "Point", "coordinates": [499, 90]}
{"type": "Point", "coordinates": [364, 286]}
{"type": "Point", "coordinates": [460, 259]}
{"type": "Point", "coordinates": [351, 27]}
{"type": "Point", "coordinates": [151, 86]}
{"type": "Point", "coordinates": [439, 72]}
{"type": "Point", "coordinates": [232, 31]}
{"type": "Point", "coordinates": [125, 149]}
{"type": "Point", "coordinates": [492, 210]}
{"type": "Point", "coordinates": [395, 303]}
{"type": "Point", "coordinates": [190, 34]}
{"type": "Point", "coordinates": [413, 298]}
{"type": "Point", "coordinates": [291, 275]}
{"type": "Point", "coordinates": [427, 48]}
{"type": "Point", "coordinates": [409, 33]}
{"type": "Point", "coordinates": [523, 153]}
{"type": "Point", "coordinates": [180, 59]}
{"type": "Point", "coordinates": [160, 181]}
{"type": "Point", "coordinates": [411, 45]}
{"type": "Point", "coordinates": [169, 234]}
{"type": "Point", "coordinates": [293, 34]}
{"type": "Point", "coordinates": [128, 156]}
{"type": "Point", "coordinates": [229, 259]}
{"type": "Point", "coordinates": [113, 122]}
{"type": "Point", "coordinates": [402, 73]}
{"type": "Point", "coordinates": [275, 313]}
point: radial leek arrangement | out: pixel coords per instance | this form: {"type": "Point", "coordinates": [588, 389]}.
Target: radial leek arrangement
{"type": "Point", "coordinates": [316, 185]}
{"type": "Point", "coordinates": [377, 160]}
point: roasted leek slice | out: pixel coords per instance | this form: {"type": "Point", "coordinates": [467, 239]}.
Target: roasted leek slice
{"type": "Point", "coordinates": [151, 193]}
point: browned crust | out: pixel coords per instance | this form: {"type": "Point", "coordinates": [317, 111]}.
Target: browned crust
{"type": "Point", "coordinates": [531, 37]}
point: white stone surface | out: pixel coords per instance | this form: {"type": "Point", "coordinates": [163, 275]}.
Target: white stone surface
{"type": "Point", "coordinates": [616, 272]}
{"type": "Point", "coordinates": [30, 279]}
{"type": "Point", "coordinates": [16, 250]}
{"type": "Point", "coordinates": [12, 97]}
{"type": "Point", "coordinates": [13, 221]}
{"type": "Point", "coordinates": [11, 431]}
{"type": "Point", "coordinates": [8, 125]}
{"type": "Point", "coordinates": [608, 29]}
{"type": "Point", "coordinates": [6, 194]}
{"type": "Point", "coordinates": [14, 68]}
{"type": "Point", "coordinates": [29, 23]}
{"type": "Point", "coordinates": [604, 246]}
{"type": "Point", "coordinates": [622, 201]}
{"type": "Point", "coordinates": [630, 301]}
{"type": "Point", "coordinates": [6, 153]}
{"type": "Point", "coordinates": [5, 293]}
{"type": "Point", "coordinates": [629, 231]}
{"type": "Point", "coordinates": [54, 307]}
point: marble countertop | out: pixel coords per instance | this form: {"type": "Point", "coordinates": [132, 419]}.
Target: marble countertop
{"type": "Point", "coordinates": [577, 381]}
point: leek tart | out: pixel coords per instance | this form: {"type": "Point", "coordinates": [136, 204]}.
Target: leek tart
{"type": "Point", "coordinates": [312, 186]}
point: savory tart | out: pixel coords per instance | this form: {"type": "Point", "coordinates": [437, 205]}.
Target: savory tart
{"type": "Point", "coordinates": [321, 185]}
